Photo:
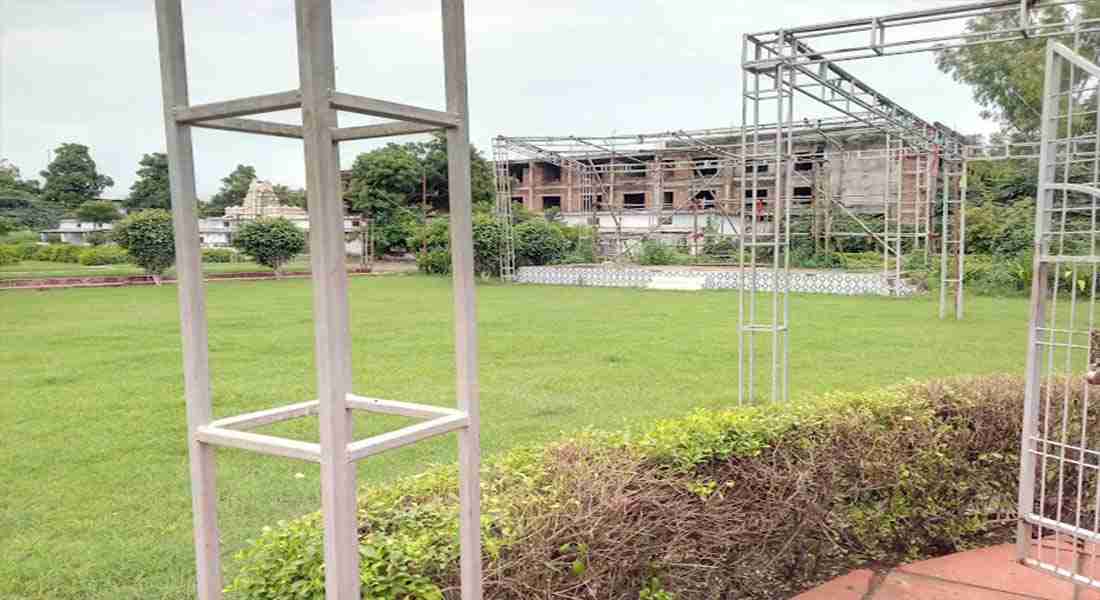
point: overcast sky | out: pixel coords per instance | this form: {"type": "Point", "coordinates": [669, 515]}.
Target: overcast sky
{"type": "Point", "coordinates": [87, 71]}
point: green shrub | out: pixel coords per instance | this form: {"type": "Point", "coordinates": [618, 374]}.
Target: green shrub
{"type": "Point", "coordinates": [539, 242]}
{"type": "Point", "coordinates": [103, 255]}
{"type": "Point", "coordinates": [434, 262]}
{"type": "Point", "coordinates": [8, 255]}
{"type": "Point", "coordinates": [654, 252]}
{"type": "Point", "coordinates": [760, 502]}
{"type": "Point", "coordinates": [432, 241]}
{"type": "Point", "coordinates": [149, 239]}
{"type": "Point", "coordinates": [25, 250]}
{"type": "Point", "coordinates": [807, 258]}
{"type": "Point", "coordinates": [218, 255]}
{"type": "Point", "coordinates": [97, 238]}
{"type": "Point", "coordinates": [59, 253]}
{"type": "Point", "coordinates": [271, 242]}
{"type": "Point", "coordinates": [21, 236]}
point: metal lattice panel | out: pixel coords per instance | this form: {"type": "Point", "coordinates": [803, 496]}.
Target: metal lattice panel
{"type": "Point", "coordinates": [1059, 508]}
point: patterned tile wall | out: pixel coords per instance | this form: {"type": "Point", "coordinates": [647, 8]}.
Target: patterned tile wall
{"type": "Point", "coordinates": [820, 282]}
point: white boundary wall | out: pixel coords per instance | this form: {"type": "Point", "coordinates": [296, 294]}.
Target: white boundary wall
{"type": "Point", "coordinates": [805, 282]}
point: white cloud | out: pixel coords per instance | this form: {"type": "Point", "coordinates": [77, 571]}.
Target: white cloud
{"type": "Point", "coordinates": [87, 70]}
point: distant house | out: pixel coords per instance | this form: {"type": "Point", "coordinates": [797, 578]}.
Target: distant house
{"type": "Point", "coordinates": [215, 232]}
{"type": "Point", "coordinates": [72, 231]}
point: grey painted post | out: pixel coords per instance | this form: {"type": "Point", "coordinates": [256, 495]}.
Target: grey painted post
{"type": "Point", "coordinates": [462, 257]}
{"type": "Point", "coordinates": [192, 303]}
{"type": "Point", "coordinates": [332, 343]}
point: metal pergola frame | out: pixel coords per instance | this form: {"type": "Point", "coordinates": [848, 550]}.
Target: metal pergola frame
{"type": "Point", "coordinates": [802, 62]}
{"type": "Point", "coordinates": [337, 453]}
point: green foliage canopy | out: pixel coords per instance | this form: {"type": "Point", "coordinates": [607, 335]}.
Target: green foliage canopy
{"type": "Point", "coordinates": [151, 189]}
{"type": "Point", "coordinates": [271, 242]}
{"type": "Point", "coordinates": [148, 238]}
{"type": "Point", "coordinates": [234, 189]}
{"type": "Point", "coordinates": [72, 178]}
{"type": "Point", "coordinates": [1007, 78]}
{"type": "Point", "coordinates": [98, 212]}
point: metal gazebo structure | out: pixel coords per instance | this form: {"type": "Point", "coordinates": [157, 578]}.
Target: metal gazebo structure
{"type": "Point", "coordinates": [337, 453]}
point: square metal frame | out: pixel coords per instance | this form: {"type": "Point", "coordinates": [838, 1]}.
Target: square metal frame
{"type": "Point", "coordinates": [337, 452]}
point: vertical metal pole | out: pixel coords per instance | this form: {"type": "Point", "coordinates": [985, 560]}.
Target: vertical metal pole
{"type": "Point", "coordinates": [462, 258]}
{"type": "Point", "coordinates": [1032, 397]}
{"type": "Point", "coordinates": [332, 339]}
{"type": "Point", "coordinates": [945, 234]}
{"type": "Point", "coordinates": [192, 302]}
{"type": "Point", "coordinates": [961, 268]}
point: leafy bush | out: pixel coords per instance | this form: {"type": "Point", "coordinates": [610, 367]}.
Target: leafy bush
{"type": "Point", "coordinates": [433, 241]}
{"type": "Point", "coordinates": [8, 255]}
{"type": "Point", "coordinates": [218, 255]}
{"type": "Point", "coordinates": [60, 253]}
{"type": "Point", "coordinates": [539, 242]}
{"type": "Point", "coordinates": [657, 253]}
{"type": "Point", "coordinates": [806, 258]}
{"type": "Point", "coordinates": [271, 242]}
{"type": "Point", "coordinates": [103, 255]}
{"type": "Point", "coordinates": [434, 262]}
{"type": "Point", "coordinates": [148, 238]}
{"type": "Point", "coordinates": [97, 238]}
{"type": "Point", "coordinates": [761, 502]}
{"type": "Point", "coordinates": [8, 225]}
{"type": "Point", "coordinates": [19, 236]}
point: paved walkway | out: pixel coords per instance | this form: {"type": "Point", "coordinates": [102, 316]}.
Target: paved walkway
{"type": "Point", "coordinates": [986, 574]}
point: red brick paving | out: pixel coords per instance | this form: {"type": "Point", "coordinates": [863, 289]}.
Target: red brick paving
{"type": "Point", "coordinates": [985, 574]}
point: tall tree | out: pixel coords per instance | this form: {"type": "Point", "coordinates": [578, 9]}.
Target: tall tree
{"type": "Point", "coordinates": [234, 189]}
{"type": "Point", "coordinates": [11, 180]}
{"type": "Point", "coordinates": [290, 197]}
{"type": "Point", "coordinates": [433, 156]}
{"type": "Point", "coordinates": [71, 178]}
{"type": "Point", "coordinates": [98, 212]}
{"type": "Point", "coordinates": [151, 190]}
{"type": "Point", "coordinates": [384, 180]}
{"type": "Point", "coordinates": [1007, 79]}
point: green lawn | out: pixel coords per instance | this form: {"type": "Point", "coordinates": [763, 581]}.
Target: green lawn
{"type": "Point", "coordinates": [31, 269]}
{"type": "Point", "coordinates": [94, 499]}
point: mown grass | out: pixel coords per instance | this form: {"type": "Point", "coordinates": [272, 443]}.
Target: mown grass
{"type": "Point", "coordinates": [94, 500]}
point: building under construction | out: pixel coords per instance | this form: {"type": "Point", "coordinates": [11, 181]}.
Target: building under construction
{"type": "Point", "coordinates": [681, 186]}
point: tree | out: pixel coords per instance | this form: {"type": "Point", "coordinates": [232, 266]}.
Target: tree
{"type": "Point", "coordinates": [11, 181]}
{"type": "Point", "coordinates": [539, 242]}
{"type": "Point", "coordinates": [289, 197]}
{"type": "Point", "coordinates": [433, 156]}
{"type": "Point", "coordinates": [72, 178]}
{"type": "Point", "coordinates": [151, 189]}
{"type": "Point", "coordinates": [8, 225]}
{"type": "Point", "coordinates": [98, 212]}
{"type": "Point", "coordinates": [272, 242]}
{"type": "Point", "coordinates": [384, 179]}
{"type": "Point", "coordinates": [148, 238]}
{"type": "Point", "coordinates": [234, 189]}
{"type": "Point", "coordinates": [1008, 78]}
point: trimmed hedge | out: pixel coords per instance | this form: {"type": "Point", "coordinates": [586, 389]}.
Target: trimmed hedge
{"type": "Point", "coordinates": [103, 255]}
{"type": "Point", "coordinates": [219, 255]}
{"type": "Point", "coordinates": [745, 503]}
{"type": "Point", "coordinates": [9, 256]}
{"type": "Point", "coordinates": [62, 253]}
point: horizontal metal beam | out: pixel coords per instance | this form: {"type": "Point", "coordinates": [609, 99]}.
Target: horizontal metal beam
{"type": "Point", "coordinates": [388, 129]}
{"type": "Point", "coordinates": [260, 418]}
{"type": "Point", "coordinates": [252, 105]}
{"type": "Point", "coordinates": [392, 110]}
{"type": "Point", "coordinates": [253, 126]}
{"type": "Point", "coordinates": [404, 409]}
{"type": "Point", "coordinates": [255, 442]}
{"type": "Point", "coordinates": [406, 436]}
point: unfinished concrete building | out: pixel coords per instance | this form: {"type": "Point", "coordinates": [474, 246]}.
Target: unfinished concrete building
{"type": "Point", "coordinates": [679, 187]}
